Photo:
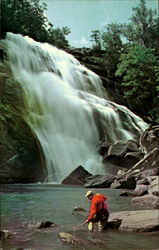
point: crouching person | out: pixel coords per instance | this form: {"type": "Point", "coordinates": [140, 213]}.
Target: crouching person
{"type": "Point", "coordinates": [98, 211]}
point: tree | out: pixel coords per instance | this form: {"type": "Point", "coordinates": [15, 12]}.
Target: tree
{"type": "Point", "coordinates": [57, 37]}
{"type": "Point", "coordinates": [27, 18]}
{"type": "Point", "coordinates": [96, 38]}
{"type": "Point", "coordinates": [113, 46]}
{"type": "Point", "coordinates": [139, 84]}
{"type": "Point", "coordinates": [141, 28]}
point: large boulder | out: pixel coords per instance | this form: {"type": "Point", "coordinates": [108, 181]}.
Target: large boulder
{"type": "Point", "coordinates": [150, 139]}
{"type": "Point", "coordinates": [140, 190]}
{"type": "Point", "coordinates": [99, 181]}
{"type": "Point", "coordinates": [123, 153]}
{"type": "Point", "coordinates": [154, 185]}
{"type": "Point", "coordinates": [149, 145]}
{"type": "Point", "coordinates": [136, 221]}
{"type": "Point", "coordinates": [124, 183]}
{"type": "Point", "coordinates": [149, 161]}
{"type": "Point", "coordinates": [77, 177]}
{"type": "Point", "coordinates": [148, 201]}
{"type": "Point", "coordinates": [143, 176]}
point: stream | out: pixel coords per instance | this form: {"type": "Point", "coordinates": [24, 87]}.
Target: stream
{"type": "Point", "coordinates": [23, 205]}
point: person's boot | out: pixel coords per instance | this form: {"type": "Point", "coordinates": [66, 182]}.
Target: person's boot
{"type": "Point", "coordinates": [90, 226]}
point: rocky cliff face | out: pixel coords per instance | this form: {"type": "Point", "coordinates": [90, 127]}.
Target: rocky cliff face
{"type": "Point", "coordinates": [21, 159]}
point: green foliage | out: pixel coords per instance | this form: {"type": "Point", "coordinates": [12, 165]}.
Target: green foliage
{"type": "Point", "coordinates": [138, 71]}
{"type": "Point", "coordinates": [96, 38]}
{"type": "Point", "coordinates": [113, 46]}
{"type": "Point", "coordinates": [131, 60]}
{"type": "Point", "coordinates": [111, 38]}
{"type": "Point", "coordinates": [141, 28]}
{"type": "Point", "coordinates": [57, 37]}
{"type": "Point", "coordinates": [27, 18]}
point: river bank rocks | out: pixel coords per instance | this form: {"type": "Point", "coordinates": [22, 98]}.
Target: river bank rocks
{"type": "Point", "coordinates": [142, 179]}
{"type": "Point", "coordinates": [123, 153]}
{"type": "Point", "coordinates": [137, 221]}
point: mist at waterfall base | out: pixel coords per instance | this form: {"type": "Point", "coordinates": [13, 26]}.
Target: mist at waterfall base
{"type": "Point", "coordinates": [66, 107]}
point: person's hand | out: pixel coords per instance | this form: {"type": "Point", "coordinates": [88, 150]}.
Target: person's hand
{"type": "Point", "coordinates": [86, 222]}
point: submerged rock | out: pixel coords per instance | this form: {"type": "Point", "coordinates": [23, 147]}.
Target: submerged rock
{"type": "Point", "coordinates": [71, 239]}
{"type": "Point", "coordinates": [41, 225]}
{"type": "Point", "coordinates": [4, 234]}
{"type": "Point", "coordinates": [79, 211]}
{"type": "Point", "coordinates": [125, 193]}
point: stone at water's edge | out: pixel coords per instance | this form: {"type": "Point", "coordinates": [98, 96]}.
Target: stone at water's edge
{"type": "Point", "coordinates": [147, 200]}
{"type": "Point", "coordinates": [154, 185]}
{"type": "Point", "coordinates": [137, 221]}
{"type": "Point", "coordinates": [99, 181]}
{"type": "Point", "coordinates": [77, 177]}
{"type": "Point", "coordinates": [140, 190]}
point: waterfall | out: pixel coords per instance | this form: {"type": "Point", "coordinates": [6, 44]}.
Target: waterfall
{"type": "Point", "coordinates": [65, 106]}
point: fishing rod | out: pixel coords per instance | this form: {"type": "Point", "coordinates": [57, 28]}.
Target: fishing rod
{"type": "Point", "coordinates": [80, 225]}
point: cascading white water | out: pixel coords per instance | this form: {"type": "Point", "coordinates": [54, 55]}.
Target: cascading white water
{"type": "Point", "coordinates": [64, 103]}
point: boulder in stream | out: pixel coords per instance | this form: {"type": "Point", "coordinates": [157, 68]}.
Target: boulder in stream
{"type": "Point", "coordinates": [77, 177]}
{"type": "Point", "coordinates": [71, 239]}
{"type": "Point", "coordinates": [148, 201]}
{"type": "Point", "coordinates": [41, 225]}
{"type": "Point", "coordinates": [136, 221]}
{"type": "Point", "coordinates": [4, 234]}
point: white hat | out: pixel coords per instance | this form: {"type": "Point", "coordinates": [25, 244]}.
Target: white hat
{"type": "Point", "coordinates": [89, 193]}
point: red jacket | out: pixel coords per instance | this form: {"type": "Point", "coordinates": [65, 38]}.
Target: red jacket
{"type": "Point", "coordinates": [97, 203]}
